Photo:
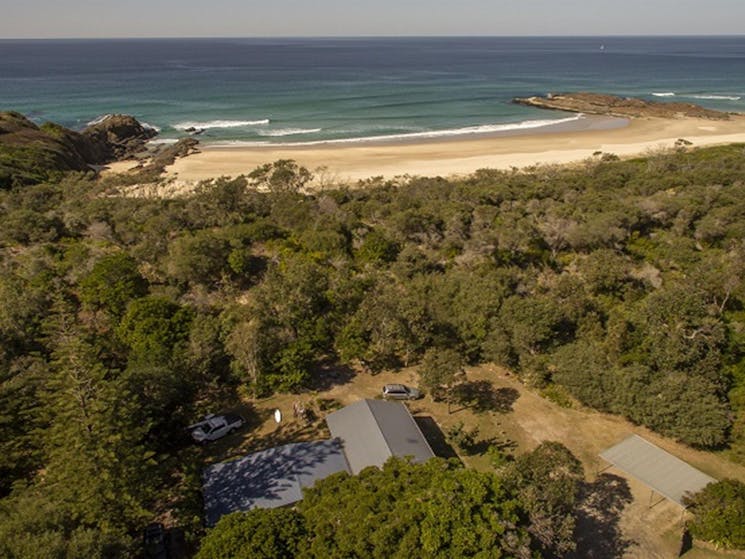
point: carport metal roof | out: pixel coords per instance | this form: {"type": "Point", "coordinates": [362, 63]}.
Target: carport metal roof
{"type": "Point", "coordinates": [661, 471]}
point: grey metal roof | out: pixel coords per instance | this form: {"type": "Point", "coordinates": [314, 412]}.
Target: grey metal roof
{"type": "Point", "coordinates": [374, 430]}
{"type": "Point", "coordinates": [270, 478]}
{"type": "Point", "coordinates": [661, 471]}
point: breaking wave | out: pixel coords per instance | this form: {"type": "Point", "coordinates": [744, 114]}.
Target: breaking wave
{"type": "Point", "coordinates": [288, 132]}
{"type": "Point", "coordinates": [99, 119]}
{"type": "Point", "coordinates": [220, 124]}
{"type": "Point", "coordinates": [717, 97]}
{"type": "Point", "coordinates": [430, 134]}
{"type": "Point", "coordinates": [107, 116]}
{"type": "Point", "coordinates": [709, 96]}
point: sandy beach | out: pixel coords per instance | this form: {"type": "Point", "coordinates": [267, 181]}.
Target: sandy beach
{"type": "Point", "coordinates": [344, 163]}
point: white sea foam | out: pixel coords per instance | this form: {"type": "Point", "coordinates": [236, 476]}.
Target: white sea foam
{"type": "Point", "coordinates": [220, 124]}
{"type": "Point", "coordinates": [709, 96]}
{"type": "Point", "coordinates": [103, 118]}
{"type": "Point", "coordinates": [100, 119]}
{"type": "Point", "coordinates": [717, 97]}
{"type": "Point", "coordinates": [288, 132]}
{"type": "Point", "coordinates": [430, 134]}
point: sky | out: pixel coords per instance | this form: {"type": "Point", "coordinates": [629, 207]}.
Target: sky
{"type": "Point", "coordinates": [271, 18]}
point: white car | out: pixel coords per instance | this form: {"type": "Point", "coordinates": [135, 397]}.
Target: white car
{"type": "Point", "coordinates": [214, 427]}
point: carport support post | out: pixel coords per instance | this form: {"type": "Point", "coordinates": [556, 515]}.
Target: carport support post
{"type": "Point", "coordinates": [651, 496]}
{"type": "Point", "coordinates": [601, 470]}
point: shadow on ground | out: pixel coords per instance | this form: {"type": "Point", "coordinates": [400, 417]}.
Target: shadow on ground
{"type": "Point", "coordinates": [598, 532]}
{"type": "Point", "coordinates": [481, 446]}
{"type": "Point", "coordinates": [435, 437]}
{"type": "Point", "coordinates": [481, 396]}
{"type": "Point", "coordinates": [328, 375]}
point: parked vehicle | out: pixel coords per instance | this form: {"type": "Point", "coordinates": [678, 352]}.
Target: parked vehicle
{"type": "Point", "coordinates": [401, 392]}
{"type": "Point", "coordinates": [214, 427]}
{"type": "Point", "coordinates": [154, 541]}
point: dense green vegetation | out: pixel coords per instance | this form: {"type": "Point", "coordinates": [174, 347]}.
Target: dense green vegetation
{"type": "Point", "coordinates": [262, 534]}
{"type": "Point", "coordinates": [619, 282]}
{"type": "Point", "coordinates": [719, 514]}
{"type": "Point", "coordinates": [30, 154]}
{"type": "Point", "coordinates": [436, 509]}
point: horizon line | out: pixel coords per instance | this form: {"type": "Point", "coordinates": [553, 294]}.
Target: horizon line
{"type": "Point", "coordinates": [422, 36]}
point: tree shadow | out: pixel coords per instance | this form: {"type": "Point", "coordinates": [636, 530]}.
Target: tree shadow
{"type": "Point", "coordinates": [178, 548]}
{"type": "Point", "coordinates": [435, 437]}
{"type": "Point", "coordinates": [252, 416]}
{"type": "Point", "coordinates": [481, 396]}
{"type": "Point", "coordinates": [598, 532]}
{"type": "Point", "coordinates": [481, 446]}
{"type": "Point", "coordinates": [327, 375]}
{"type": "Point", "coordinates": [291, 432]}
{"type": "Point", "coordinates": [270, 478]}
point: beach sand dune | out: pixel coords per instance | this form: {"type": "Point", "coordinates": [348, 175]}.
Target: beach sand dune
{"type": "Point", "coordinates": [461, 156]}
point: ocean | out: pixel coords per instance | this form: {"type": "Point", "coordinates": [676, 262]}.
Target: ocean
{"type": "Point", "coordinates": [304, 91]}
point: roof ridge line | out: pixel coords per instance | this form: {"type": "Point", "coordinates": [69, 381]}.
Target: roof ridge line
{"type": "Point", "coordinates": [380, 430]}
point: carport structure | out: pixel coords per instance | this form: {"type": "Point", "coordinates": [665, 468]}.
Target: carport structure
{"type": "Point", "coordinates": [659, 470]}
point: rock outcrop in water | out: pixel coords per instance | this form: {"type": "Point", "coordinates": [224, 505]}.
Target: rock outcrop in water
{"type": "Point", "coordinates": [625, 107]}
{"type": "Point", "coordinates": [31, 153]}
{"type": "Point", "coordinates": [117, 137]}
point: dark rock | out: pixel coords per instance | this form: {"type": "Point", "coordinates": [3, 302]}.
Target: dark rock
{"type": "Point", "coordinates": [170, 153]}
{"type": "Point", "coordinates": [160, 157]}
{"type": "Point", "coordinates": [625, 107]}
{"type": "Point", "coordinates": [117, 137]}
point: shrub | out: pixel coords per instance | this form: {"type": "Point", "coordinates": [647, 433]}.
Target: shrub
{"type": "Point", "coordinates": [719, 514]}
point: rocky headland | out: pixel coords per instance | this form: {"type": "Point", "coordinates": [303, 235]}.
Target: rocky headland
{"type": "Point", "coordinates": [31, 153]}
{"type": "Point", "coordinates": [624, 107]}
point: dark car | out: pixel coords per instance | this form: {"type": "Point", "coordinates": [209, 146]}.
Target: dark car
{"type": "Point", "coordinates": [401, 392]}
{"type": "Point", "coordinates": [154, 540]}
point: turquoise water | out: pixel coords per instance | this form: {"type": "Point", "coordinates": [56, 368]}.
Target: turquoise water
{"type": "Point", "coordinates": [309, 90]}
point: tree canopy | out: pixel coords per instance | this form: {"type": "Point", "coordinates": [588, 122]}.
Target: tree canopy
{"type": "Point", "coordinates": [436, 509]}
{"type": "Point", "coordinates": [619, 283]}
{"type": "Point", "coordinates": [719, 514]}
